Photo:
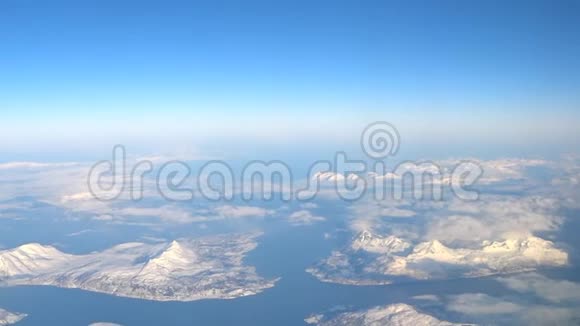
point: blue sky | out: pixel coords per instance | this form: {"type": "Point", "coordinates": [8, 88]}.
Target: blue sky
{"type": "Point", "coordinates": [85, 75]}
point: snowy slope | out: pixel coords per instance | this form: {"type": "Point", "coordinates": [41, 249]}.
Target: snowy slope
{"type": "Point", "coordinates": [182, 270]}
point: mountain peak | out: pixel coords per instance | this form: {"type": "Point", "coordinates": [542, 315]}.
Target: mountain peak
{"type": "Point", "coordinates": [431, 247]}
{"type": "Point", "coordinates": [175, 249]}
{"type": "Point", "coordinates": [365, 235]}
{"type": "Point", "coordinates": [174, 245]}
{"type": "Point", "coordinates": [174, 256]}
{"type": "Point", "coordinates": [28, 258]}
{"type": "Point", "coordinates": [35, 249]}
{"type": "Point", "coordinates": [334, 176]}
{"type": "Point", "coordinates": [367, 241]}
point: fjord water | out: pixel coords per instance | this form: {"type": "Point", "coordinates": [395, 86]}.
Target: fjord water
{"type": "Point", "coordinates": [283, 251]}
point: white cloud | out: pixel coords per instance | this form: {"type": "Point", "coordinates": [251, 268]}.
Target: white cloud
{"type": "Point", "coordinates": [482, 304]}
{"type": "Point", "coordinates": [167, 213]}
{"type": "Point", "coordinates": [552, 290]}
{"type": "Point", "coordinates": [229, 211]}
{"type": "Point", "coordinates": [104, 217]}
{"type": "Point", "coordinates": [459, 227]}
{"type": "Point", "coordinates": [34, 165]}
{"type": "Point", "coordinates": [494, 218]}
{"type": "Point", "coordinates": [15, 205]}
{"type": "Point", "coordinates": [77, 197]}
{"type": "Point", "coordinates": [486, 310]}
{"type": "Point", "coordinates": [370, 214]}
{"type": "Point", "coordinates": [45, 181]}
{"type": "Point", "coordinates": [304, 217]}
{"type": "Point", "coordinates": [500, 170]}
{"type": "Point", "coordinates": [397, 212]}
{"type": "Point", "coordinates": [427, 297]}
{"type": "Point", "coordinates": [177, 214]}
{"type": "Point", "coordinates": [76, 234]}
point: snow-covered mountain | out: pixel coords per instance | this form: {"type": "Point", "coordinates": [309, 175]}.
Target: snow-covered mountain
{"type": "Point", "coordinates": [9, 318]}
{"type": "Point", "coordinates": [434, 260]}
{"type": "Point", "coordinates": [181, 271]}
{"type": "Point", "coordinates": [333, 177]}
{"type": "Point", "coordinates": [391, 315]}
{"type": "Point", "coordinates": [367, 241]}
{"type": "Point", "coordinates": [28, 258]}
{"type": "Point", "coordinates": [375, 259]}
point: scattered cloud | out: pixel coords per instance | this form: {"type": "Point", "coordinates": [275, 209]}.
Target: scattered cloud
{"type": "Point", "coordinates": [557, 291]}
{"type": "Point", "coordinates": [166, 213]}
{"type": "Point", "coordinates": [482, 304]}
{"type": "Point", "coordinates": [229, 211]}
{"type": "Point", "coordinates": [486, 309]}
{"type": "Point", "coordinates": [35, 165]}
{"type": "Point", "coordinates": [76, 234]}
{"type": "Point", "coordinates": [427, 297]}
{"type": "Point", "coordinates": [309, 205]}
{"type": "Point", "coordinates": [304, 217]}
{"type": "Point", "coordinates": [494, 218]}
